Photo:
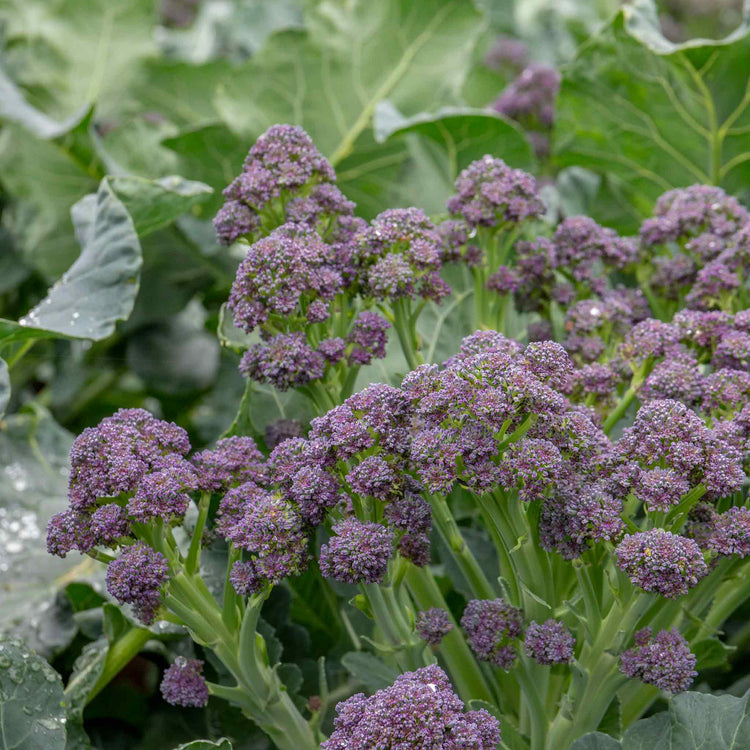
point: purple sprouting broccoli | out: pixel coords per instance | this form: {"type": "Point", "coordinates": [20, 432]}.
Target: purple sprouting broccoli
{"type": "Point", "coordinates": [549, 643]}
{"type": "Point", "coordinates": [433, 625]}
{"type": "Point", "coordinates": [114, 456]}
{"type": "Point", "coordinates": [358, 552]}
{"type": "Point", "coordinates": [400, 255]}
{"type": "Point", "coordinates": [491, 194]}
{"type": "Point", "coordinates": [507, 53]}
{"type": "Point", "coordinates": [282, 162]}
{"type": "Point", "coordinates": [283, 275]}
{"type": "Point", "coordinates": [731, 533]}
{"type": "Point", "coordinates": [663, 660]}
{"type": "Point", "coordinates": [685, 213]}
{"type": "Point", "coordinates": [661, 562]}
{"type": "Point", "coordinates": [578, 514]}
{"type": "Point", "coordinates": [420, 711]}
{"type": "Point", "coordinates": [137, 578]}
{"type": "Point", "coordinates": [272, 530]}
{"type": "Point", "coordinates": [183, 683]}
{"type": "Point", "coordinates": [492, 626]}
{"type": "Point", "coordinates": [232, 462]}
{"type": "Point", "coordinates": [286, 361]}
{"type": "Point", "coordinates": [367, 338]}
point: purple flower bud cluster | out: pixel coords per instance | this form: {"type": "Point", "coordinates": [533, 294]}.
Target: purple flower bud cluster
{"type": "Point", "coordinates": [730, 534]}
{"type": "Point", "coordinates": [283, 161]}
{"type": "Point", "coordinates": [492, 626]}
{"type": "Point", "coordinates": [288, 273]}
{"type": "Point", "coordinates": [358, 552]}
{"type": "Point", "coordinates": [420, 711]}
{"type": "Point", "coordinates": [549, 643]}
{"type": "Point", "coordinates": [486, 392]}
{"type": "Point", "coordinates": [183, 683]}
{"type": "Point", "coordinates": [136, 577]}
{"type": "Point", "coordinates": [491, 194]}
{"type": "Point", "coordinates": [663, 660]}
{"type": "Point", "coordinates": [130, 453]}
{"type": "Point", "coordinates": [578, 514]}
{"type": "Point", "coordinates": [530, 100]}
{"type": "Point", "coordinates": [235, 460]}
{"type": "Point", "coordinates": [285, 361]}
{"type": "Point", "coordinates": [114, 456]}
{"type": "Point", "coordinates": [661, 562]}
{"type": "Point", "coordinates": [667, 434]}
{"type": "Point", "coordinates": [400, 255]}
{"type": "Point", "coordinates": [507, 54]}
{"type": "Point", "coordinates": [368, 338]}
{"type": "Point", "coordinates": [685, 213]}
{"type": "Point", "coordinates": [433, 625]}
{"type": "Point", "coordinates": [581, 245]}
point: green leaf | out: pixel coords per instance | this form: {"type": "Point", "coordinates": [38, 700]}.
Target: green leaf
{"type": "Point", "coordinates": [234, 30]}
{"type": "Point", "coordinates": [702, 720]}
{"type": "Point", "coordinates": [611, 722]}
{"type": "Point", "coordinates": [14, 108]}
{"type": "Point", "coordinates": [368, 669]}
{"type": "Point", "coordinates": [32, 716]}
{"type": "Point", "coordinates": [34, 456]}
{"type": "Point", "coordinates": [330, 78]}
{"type": "Point", "coordinates": [655, 114]}
{"type": "Point", "coordinates": [211, 154]}
{"type": "Point", "coordinates": [154, 204]}
{"type": "Point", "coordinates": [176, 356]}
{"type": "Point", "coordinates": [4, 386]}
{"type": "Point", "coordinates": [463, 134]}
{"type": "Point", "coordinates": [711, 653]}
{"type": "Point", "coordinates": [100, 287]}
{"type": "Point", "coordinates": [87, 669]}
{"type": "Point", "coordinates": [291, 675]}
{"type": "Point", "coordinates": [222, 744]}
{"type": "Point", "coordinates": [596, 741]}
{"type": "Point", "coordinates": [76, 52]}
{"type": "Point", "coordinates": [49, 179]}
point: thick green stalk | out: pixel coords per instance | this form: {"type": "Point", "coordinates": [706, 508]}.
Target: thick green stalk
{"type": "Point", "coordinates": [120, 653]}
{"type": "Point", "coordinates": [533, 700]}
{"type": "Point", "coordinates": [459, 550]}
{"type": "Point", "coordinates": [191, 563]}
{"type": "Point", "coordinates": [462, 667]}
{"type": "Point", "coordinates": [265, 699]}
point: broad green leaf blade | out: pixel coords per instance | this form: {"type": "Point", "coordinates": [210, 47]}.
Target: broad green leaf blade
{"type": "Point", "coordinates": [32, 716]}
{"type": "Point", "coordinates": [702, 720]}
{"type": "Point", "coordinates": [212, 154]}
{"type": "Point", "coordinates": [596, 741]}
{"type": "Point", "coordinates": [49, 179]}
{"type": "Point", "coordinates": [330, 79]}
{"type": "Point", "coordinates": [15, 108]}
{"type": "Point", "coordinates": [4, 386]}
{"type": "Point", "coordinates": [464, 134]}
{"type": "Point", "coordinates": [34, 456]}
{"type": "Point", "coordinates": [76, 52]}
{"type": "Point", "coordinates": [649, 734]}
{"type": "Point", "coordinates": [657, 115]}
{"type": "Point", "coordinates": [154, 204]}
{"type": "Point", "coordinates": [101, 286]}
{"type": "Point", "coordinates": [368, 669]}
{"type": "Point", "coordinates": [232, 31]}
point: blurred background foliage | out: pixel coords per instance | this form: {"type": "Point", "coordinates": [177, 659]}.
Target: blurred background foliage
{"type": "Point", "coordinates": [120, 123]}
